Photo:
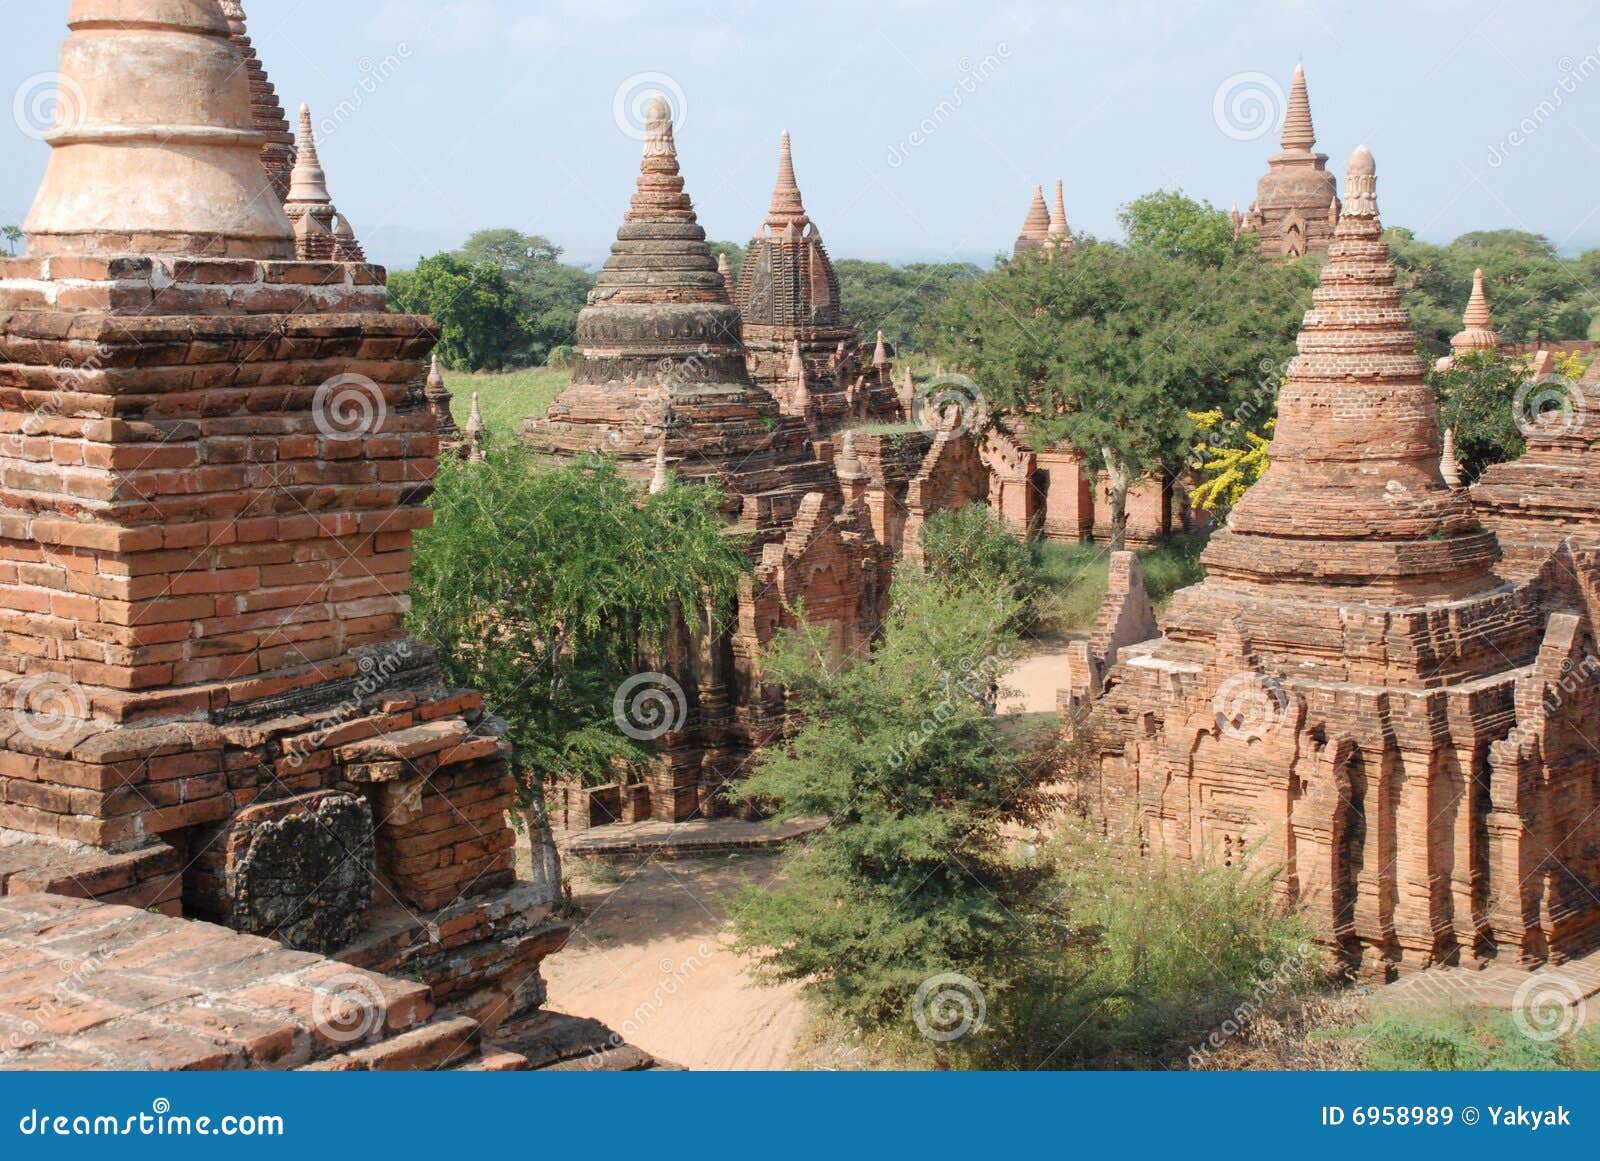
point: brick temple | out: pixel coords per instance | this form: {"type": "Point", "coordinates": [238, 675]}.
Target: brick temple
{"type": "Point", "coordinates": [1296, 207]}
{"type": "Point", "coordinates": [214, 459]}
{"type": "Point", "coordinates": [799, 346]}
{"type": "Point", "coordinates": [1385, 686]}
{"type": "Point", "coordinates": [663, 385]}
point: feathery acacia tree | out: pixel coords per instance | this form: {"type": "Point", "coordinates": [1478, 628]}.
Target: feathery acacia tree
{"type": "Point", "coordinates": [1112, 349]}
{"type": "Point", "coordinates": [542, 587]}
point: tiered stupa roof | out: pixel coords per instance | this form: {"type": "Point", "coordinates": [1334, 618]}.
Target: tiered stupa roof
{"type": "Point", "coordinates": [788, 299]}
{"type": "Point", "coordinates": [1354, 496]}
{"type": "Point", "coordinates": [661, 359]}
{"type": "Point", "coordinates": [277, 151]}
{"type": "Point", "coordinates": [1035, 233]}
{"type": "Point", "coordinates": [1297, 201]}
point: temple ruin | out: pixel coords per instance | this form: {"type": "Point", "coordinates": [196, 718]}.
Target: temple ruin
{"type": "Point", "coordinates": [799, 346]}
{"type": "Point", "coordinates": [1296, 207]}
{"type": "Point", "coordinates": [662, 383]}
{"type": "Point", "coordinates": [213, 465]}
{"type": "Point", "coordinates": [1361, 693]}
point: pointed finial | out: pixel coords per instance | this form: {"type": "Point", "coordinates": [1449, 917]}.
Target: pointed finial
{"type": "Point", "coordinates": [1058, 230]}
{"type": "Point", "coordinates": [435, 376]}
{"type": "Point", "coordinates": [1036, 226]}
{"type": "Point", "coordinates": [725, 270]}
{"type": "Point", "coordinates": [1477, 316]}
{"type": "Point", "coordinates": [787, 212]}
{"type": "Point", "coordinates": [1298, 134]}
{"type": "Point", "coordinates": [660, 481]}
{"type": "Point", "coordinates": [660, 190]}
{"type": "Point", "coordinates": [1449, 466]}
{"type": "Point", "coordinates": [880, 355]}
{"type": "Point", "coordinates": [797, 365]}
{"type": "Point", "coordinates": [1477, 333]}
{"type": "Point", "coordinates": [308, 185]}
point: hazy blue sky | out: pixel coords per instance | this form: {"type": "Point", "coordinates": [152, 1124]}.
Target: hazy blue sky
{"type": "Point", "coordinates": [451, 115]}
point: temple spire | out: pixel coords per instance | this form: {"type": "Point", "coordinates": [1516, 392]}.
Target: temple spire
{"type": "Point", "coordinates": [1059, 233]}
{"type": "Point", "coordinates": [660, 194]}
{"type": "Point", "coordinates": [1355, 496]}
{"type": "Point", "coordinates": [787, 210]}
{"type": "Point", "coordinates": [308, 184]}
{"type": "Point", "coordinates": [277, 149]}
{"type": "Point", "coordinates": [1036, 226]}
{"type": "Point", "coordinates": [1299, 136]}
{"type": "Point", "coordinates": [1477, 332]}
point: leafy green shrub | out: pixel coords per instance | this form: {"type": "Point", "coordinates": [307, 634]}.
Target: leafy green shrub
{"type": "Point", "coordinates": [1158, 957]}
{"type": "Point", "coordinates": [1468, 1039]}
{"type": "Point", "coordinates": [902, 752]}
{"type": "Point", "coordinates": [562, 358]}
{"type": "Point", "coordinates": [972, 550]}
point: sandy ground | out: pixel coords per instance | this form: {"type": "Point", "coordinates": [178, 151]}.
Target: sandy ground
{"type": "Point", "coordinates": [650, 959]}
{"type": "Point", "coordinates": [1032, 686]}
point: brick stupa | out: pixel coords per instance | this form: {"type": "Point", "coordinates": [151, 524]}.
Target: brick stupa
{"type": "Point", "coordinates": [1353, 697]}
{"type": "Point", "coordinates": [662, 385]}
{"type": "Point", "coordinates": [1035, 233]}
{"type": "Point", "coordinates": [1297, 201]}
{"type": "Point", "coordinates": [209, 482]}
{"type": "Point", "coordinates": [788, 299]}
{"type": "Point", "coordinates": [277, 146]}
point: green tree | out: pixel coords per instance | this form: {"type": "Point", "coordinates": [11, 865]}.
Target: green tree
{"type": "Point", "coordinates": [549, 293]}
{"type": "Point", "coordinates": [903, 755]}
{"type": "Point", "coordinates": [735, 255]}
{"type": "Point", "coordinates": [13, 237]}
{"type": "Point", "coordinates": [1114, 349]}
{"type": "Point", "coordinates": [474, 305]}
{"type": "Point", "coordinates": [1534, 293]}
{"type": "Point", "coordinates": [542, 587]}
{"type": "Point", "coordinates": [876, 296]}
{"type": "Point", "coordinates": [1174, 226]}
{"type": "Point", "coordinates": [972, 550]}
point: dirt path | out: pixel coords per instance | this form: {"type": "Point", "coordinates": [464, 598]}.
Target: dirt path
{"type": "Point", "coordinates": [650, 959]}
{"type": "Point", "coordinates": [1036, 680]}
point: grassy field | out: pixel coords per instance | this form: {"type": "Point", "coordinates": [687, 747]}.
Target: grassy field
{"type": "Point", "coordinates": [506, 400]}
{"type": "Point", "coordinates": [1075, 575]}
